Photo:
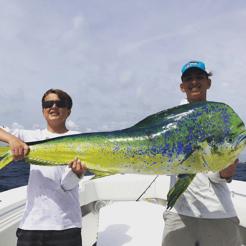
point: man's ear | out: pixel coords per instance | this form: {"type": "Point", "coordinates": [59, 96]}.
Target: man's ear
{"type": "Point", "coordinates": [69, 112]}
{"type": "Point", "coordinates": [182, 87]}
{"type": "Point", "coordinates": [209, 82]}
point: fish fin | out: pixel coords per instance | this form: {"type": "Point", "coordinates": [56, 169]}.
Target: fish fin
{"type": "Point", "coordinates": [179, 188]}
{"type": "Point", "coordinates": [189, 153]}
{"type": "Point", "coordinates": [3, 150]}
{"type": "Point", "coordinates": [196, 153]}
{"type": "Point", "coordinates": [168, 115]}
{"type": "Point", "coordinates": [100, 174]}
{"type": "Point", "coordinates": [7, 156]}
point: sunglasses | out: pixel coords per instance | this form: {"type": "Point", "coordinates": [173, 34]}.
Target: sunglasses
{"type": "Point", "coordinates": [59, 104]}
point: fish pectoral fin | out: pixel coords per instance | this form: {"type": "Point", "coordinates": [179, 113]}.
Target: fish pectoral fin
{"type": "Point", "coordinates": [179, 188]}
{"type": "Point", "coordinates": [197, 155]}
{"type": "Point", "coordinates": [189, 153]}
{"type": "Point", "coordinates": [100, 174]}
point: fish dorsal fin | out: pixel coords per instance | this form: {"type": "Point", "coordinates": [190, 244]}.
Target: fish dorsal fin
{"type": "Point", "coordinates": [168, 115]}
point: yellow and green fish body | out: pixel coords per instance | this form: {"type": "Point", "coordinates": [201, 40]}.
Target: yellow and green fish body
{"type": "Point", "coordinates": [192, 138]}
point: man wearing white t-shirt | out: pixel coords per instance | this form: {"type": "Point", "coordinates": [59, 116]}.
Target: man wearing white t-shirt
{"type": "Point", "coordinates": [204, 214]}
{"type": "Point", "coordinates": [52, 215]}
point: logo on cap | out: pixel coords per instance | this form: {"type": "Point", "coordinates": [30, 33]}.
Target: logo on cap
{"type": "Point", "coordinates": [192, 64]}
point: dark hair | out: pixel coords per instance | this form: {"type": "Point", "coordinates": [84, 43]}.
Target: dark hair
{"type": "Point", "coordinates": [63, 96]}
{"type": "Point", "coordinates": [209, 74]}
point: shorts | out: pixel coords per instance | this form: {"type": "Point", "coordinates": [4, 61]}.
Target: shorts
{"type": "Point", "coordinates": [71, 237]}
{"type": "Point", "coordinates": [183, 230]}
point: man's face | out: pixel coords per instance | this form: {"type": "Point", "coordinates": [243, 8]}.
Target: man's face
{"type": "Point", "coordinates": [55, 115]}
{"type": "Point", "coordinates": [195, 84]}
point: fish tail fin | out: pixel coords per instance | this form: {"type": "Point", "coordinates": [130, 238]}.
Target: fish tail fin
{"type": "Point", "coordinates": [7, 156]}
{"type": "Point", "coordinates": [4, 150]}
{"type": "Point", "coordinates": [179, 188]}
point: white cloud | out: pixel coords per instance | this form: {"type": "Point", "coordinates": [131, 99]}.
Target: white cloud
{"type": "Point", "coordinates": [140, 92]}
{"type": "Point", "coordinates": [12, 16]}
{"type": "Point", "coordinates": [17, 126]}
{"type": "Point", "coordinates": [77, 28]}
{"type": "Point", "coordinates": [225, 84]}
{"type": "Point", "coordinates": [78, 22]}
{"type": "Point", "coordinates": [38, 126]}
{"type": "Point", "coordinates": [123, 125]}
{"type": "Point", "coordinates": [112, 126]}
{"type": "Point", "coordinates": [104, 128]}
{"type": "Point", "coordinates": [126, 77]}
{"type": "Point", "coordinates": [72, 125]}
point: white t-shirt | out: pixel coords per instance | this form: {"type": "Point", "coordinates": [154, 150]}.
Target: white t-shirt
{"type": "Point", "coordinates": [52, 191]}
{"type": "Point", "coordinates": [207, 196]}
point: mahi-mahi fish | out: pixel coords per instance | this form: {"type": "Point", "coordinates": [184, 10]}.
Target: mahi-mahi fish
{"type": "Point", "coordinates": [184, 140]}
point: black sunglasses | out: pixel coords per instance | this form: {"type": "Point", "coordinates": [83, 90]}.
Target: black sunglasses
{"type": "Point", "coordinates": [59, 104]}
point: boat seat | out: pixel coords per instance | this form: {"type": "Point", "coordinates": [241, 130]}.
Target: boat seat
{"type": "Point", "coordinates": [130, 223]}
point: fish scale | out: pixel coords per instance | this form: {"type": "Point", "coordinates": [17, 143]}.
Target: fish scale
{"type": "Point", "coordinates": [192, 138]}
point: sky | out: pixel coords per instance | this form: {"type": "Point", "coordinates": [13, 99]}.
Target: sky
{"type": "Point", "coordinates": [120, 61]}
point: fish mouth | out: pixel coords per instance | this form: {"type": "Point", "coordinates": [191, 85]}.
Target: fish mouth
{"type": "Point", "coordinates": [241, 139]}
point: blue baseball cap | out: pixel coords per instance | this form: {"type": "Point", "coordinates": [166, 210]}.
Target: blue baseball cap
{"type": "Point", "coordinates": [193, 63]}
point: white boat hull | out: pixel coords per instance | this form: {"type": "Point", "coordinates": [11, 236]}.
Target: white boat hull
{"type": "Point", "coordinates": [113, 193]}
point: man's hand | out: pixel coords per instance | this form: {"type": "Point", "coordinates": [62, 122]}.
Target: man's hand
{"type": "Point", "coordinates": [229, 171]}
{"type": "Point", "coordinates": [18, 148]}
{"type": "Point", "coordinates": [77, 167]}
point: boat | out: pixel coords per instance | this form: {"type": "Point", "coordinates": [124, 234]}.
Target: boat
{"type": "Point", "coordinates": [122, 209]}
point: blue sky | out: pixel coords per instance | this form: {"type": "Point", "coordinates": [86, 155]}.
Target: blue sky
{"type": "Point", "coordinates": [119, 60]}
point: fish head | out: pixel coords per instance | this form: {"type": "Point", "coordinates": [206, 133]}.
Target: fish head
{"type": "Point", "coordinates": [227, 142]}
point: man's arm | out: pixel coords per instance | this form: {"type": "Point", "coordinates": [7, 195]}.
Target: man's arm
{"type": "Point", "coordinates": [77, 167]}
{"type": "Point", "coordinates": [225, 175]}
{"type": "Point", "coordinates": [229, 171]}
{"type": "Point", "coordinates": [73, 174]}
{"type": "Point", "coordinates": [18, 148]}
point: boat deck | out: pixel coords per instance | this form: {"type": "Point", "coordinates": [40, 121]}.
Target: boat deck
{"type": "Point", "coordinates": [110, 210]}
{"type": "Point", "coordinates": [131, 223]}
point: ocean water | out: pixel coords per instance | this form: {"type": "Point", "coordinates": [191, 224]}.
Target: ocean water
{"type": "Point", "coordinates": [16, 174]}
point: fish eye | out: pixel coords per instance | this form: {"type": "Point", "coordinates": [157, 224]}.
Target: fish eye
{"type": "Point", "coordinates": [230, 139]}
